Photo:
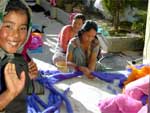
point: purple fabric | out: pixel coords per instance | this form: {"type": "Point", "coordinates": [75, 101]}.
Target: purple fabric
{"type": "Point", "coordinates": [57, 76]}
{"type": "Point", "coordinates": [110, 77]}
{"type": "Point", "coordinates": [38, 100]}
{"type": "Point", "coordinates": [119, 104]}
{"type": "Point", "coordinates": [35, 42]}
{"type": "Point", "coordinates": [34, 101]}
{"type": "Point", "coordinates": [144, 99]}
{"type": "Point", "coordinates": [52, 89]}
{"type": "Point", "coordinates": [63, 76]}
{"type": "Point", "coordinates": [32, 104]}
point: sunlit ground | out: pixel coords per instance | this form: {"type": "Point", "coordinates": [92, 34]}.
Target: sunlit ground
{"type": "Point", "coordinates": [85, 94]}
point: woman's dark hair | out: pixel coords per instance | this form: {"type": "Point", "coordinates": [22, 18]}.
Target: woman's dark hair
{"type": "Point", "coordinates": [88, 25]}
{"type": "Point", "coordinates": [17, 5]}
{"type": "Point", "coordinates": [79, 16]}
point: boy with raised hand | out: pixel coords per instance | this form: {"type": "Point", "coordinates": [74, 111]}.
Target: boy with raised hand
{"type": "Point", "coordinates": [15, 27]}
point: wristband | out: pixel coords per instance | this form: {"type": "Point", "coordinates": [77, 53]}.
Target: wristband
{"type": "Point", "coordinates": [77, 68]}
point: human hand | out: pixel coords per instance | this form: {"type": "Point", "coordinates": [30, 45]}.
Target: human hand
{"type": "Point", "coordinates": [90, 76]}
{"type": "Point", "coordinates": [71, 64]}
{"type": "Point", "coordinates": [14, 84]}
{"type": "Point", "coordinates": [86, 72]}
{"type": "Point", "coordinates": [33, 70]}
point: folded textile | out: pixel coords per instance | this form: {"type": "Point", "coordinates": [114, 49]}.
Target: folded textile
{"type": "Point", "coordinates": [57, 76]}
{"type": "Point", "coordinates": [110, 76]}
{"type": "Point", "coordinates": [106, 76]}
{"type": "Point", "coordinates": [138, 88]}
{"type": "Point", "coordinates": [54, 103]}
{"type": "Point", "coordinates": [120, 104]}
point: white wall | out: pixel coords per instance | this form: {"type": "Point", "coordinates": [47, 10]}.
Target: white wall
{"type": "Point", "coordinates": [146, 53]}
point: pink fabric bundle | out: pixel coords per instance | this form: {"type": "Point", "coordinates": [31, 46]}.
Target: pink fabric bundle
{"type": "Point", "coordinates": [35, 42]}
{"type": "Point", "coordinates": [138, 88]}
{"type": "Point", "coordinates": [120, 104]}
{"type": "Point", "coordinates": [129, 102]}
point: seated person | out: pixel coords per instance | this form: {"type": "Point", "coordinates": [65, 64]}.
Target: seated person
{"type": "Point", "coordinates": [82, 50]}
{"type": "Point", "coordinates": [14, 30]}
{"type": "Point", "coordinates": [66, 33]}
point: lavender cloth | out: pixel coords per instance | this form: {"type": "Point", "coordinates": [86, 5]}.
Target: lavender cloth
{"type": "Point", "coordinates": [56, 76]}
{"type": "Point", "coordinates": [110, 77]}
{"type": "Point", "coordinates": [120, 104]}
{"type": "Point", "coordinates": [138, 89]}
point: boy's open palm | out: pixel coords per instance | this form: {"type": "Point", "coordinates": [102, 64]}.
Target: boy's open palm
{"type": "Point", "coordinates": [13, 83]}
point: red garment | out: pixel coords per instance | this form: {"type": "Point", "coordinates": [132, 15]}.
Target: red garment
{"type": "Point", "coordinates": [25, 48]}
{"type": "Point", "coordinates": [64, 36]}
{"type": "Point", "coordinates": [71, 16]}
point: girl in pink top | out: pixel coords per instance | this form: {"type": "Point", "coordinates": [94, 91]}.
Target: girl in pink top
{"type": "Point", "coordinates": [66, 33]}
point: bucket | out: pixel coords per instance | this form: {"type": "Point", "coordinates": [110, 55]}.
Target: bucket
{"type": "Point", "coordinates": [62, 66]}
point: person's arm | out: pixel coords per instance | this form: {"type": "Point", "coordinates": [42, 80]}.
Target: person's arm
{"type": "Point", "coordinates": [5, 98]}
{"type": "Point", "coordinates": [91, 63]}
{"type": "Point", "coordinates": [69, 54]}
{"type": "Point", "coordinates": [69, 57]}
{"type": "Point", "coordinates": [71, 64]}
{"type": "Point", "coordinates": [13, 83]}
{"type": "Point", "coordinates": [64, 37]}
{"type": "Point", "coordinates": [91, 66]}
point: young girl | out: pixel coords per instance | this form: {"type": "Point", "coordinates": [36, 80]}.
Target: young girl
{"type": "Point", "coordinates": [15, 26]}
{"type": "Point", "coordinates": [66, 33]}
{"type": "Point", "coordinates": [82, 50]}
